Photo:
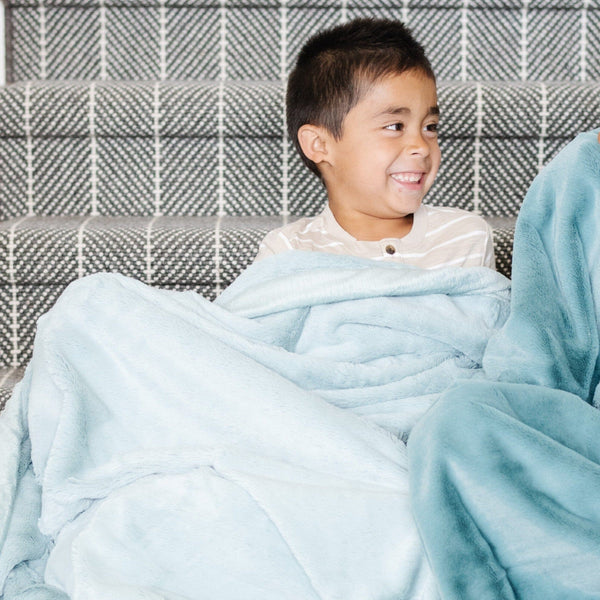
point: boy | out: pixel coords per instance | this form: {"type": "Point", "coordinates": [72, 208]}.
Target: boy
{"type": "Point", "coordinates": [362, 111]}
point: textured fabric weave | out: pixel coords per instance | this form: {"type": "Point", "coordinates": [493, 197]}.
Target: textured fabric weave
{"type": "Point", "coordinates": [241, 40]}
{"type": "Point", "coordinates": [197, 148]}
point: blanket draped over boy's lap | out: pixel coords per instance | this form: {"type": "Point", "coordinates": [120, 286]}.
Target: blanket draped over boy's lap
{"type": "Point", "coordinates": [249, 448]}
{"type": "Point", "coordinates": [161, 446]}
{"type": "Point", "coordinates": [505, 473]}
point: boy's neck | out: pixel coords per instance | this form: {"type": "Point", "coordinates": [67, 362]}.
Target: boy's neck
{"type": "Point", "coordinates": [367, 228]}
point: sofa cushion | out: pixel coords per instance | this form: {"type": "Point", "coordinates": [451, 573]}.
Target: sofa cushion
{"type": "Point", "coordinates": [203, 149]}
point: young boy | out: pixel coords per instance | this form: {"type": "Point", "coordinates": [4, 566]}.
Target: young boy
{"type": "Point", "coordinates": [362, 111]}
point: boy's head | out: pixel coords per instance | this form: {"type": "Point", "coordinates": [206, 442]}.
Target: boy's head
{"type": "Point", "coordinates": [336, 67]}
{"type": "Point", "coordinates": [362, 110]}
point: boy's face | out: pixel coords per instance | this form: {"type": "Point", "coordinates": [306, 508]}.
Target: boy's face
{"type": "Point", "coordinates": [387, 157]}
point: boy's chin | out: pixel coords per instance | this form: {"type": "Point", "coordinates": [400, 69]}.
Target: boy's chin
{"type": "Point", "coordinates": [405, 206]}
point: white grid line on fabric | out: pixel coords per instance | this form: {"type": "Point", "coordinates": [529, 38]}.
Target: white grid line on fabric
{"type": "Point", "coordinates": [149, 269]}
{"type": "Point", "coordinates": [524, 55]}
{"type": "Point", "coordinates": [163, 40]}
{"type": "Point", "coordinates": [14, 301]}
{"type": "Point", "coordinates": [3, 49]}
{"type": "Point", "coordinates": [584, 41]}
{"type": "Point", "coordinates": [543, 124]}
{"type": "Point", "coordinates": [223, 41]}
{"type": "Point", "coordinates": [217, 254]}
{"type": "Point", "coordinates": [221, 148]}
{"type": "Point", "coordinates": [218, 247]}
{"type": "Point", "coordinates": [479, 116]}
{"type": "Point", "coordinates": [285, 205]}
{"type": "Point", "coordinates": [343, 11]}
{"type": "Point", "coordinates": [103, 51]}
{"type": "Point", "coordinates": [43, 40]}
{"type": "Point", "coordinates": [283, 41]}
{"type": "Point", "coordinates": [80, 246]}
{"type": "Point", "coordinates": [464, 40]}
{"type": "Point", "coordinates": [93, 152]}
{"type": "Point", "coordinates": [405, 4]}
{"type": "Point", "coordinates": [221, 144]}
{"type": "Point", "coordinates": [221, 109]}
{"type": "Point", "coordinates": [157, 151]}
{"type": "Point", "coordinates": [28, 146]}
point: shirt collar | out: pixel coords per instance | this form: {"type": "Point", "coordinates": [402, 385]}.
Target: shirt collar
{"type": "Point", "coordinates": [414, 236]}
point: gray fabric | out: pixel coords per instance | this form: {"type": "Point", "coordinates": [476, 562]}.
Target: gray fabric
{"type": "Point", "coordinates": [5, 394]}
{"type": "Point", "coordinates": [200, 148]}
{"type": "Point", "coordinates": [479, 40]}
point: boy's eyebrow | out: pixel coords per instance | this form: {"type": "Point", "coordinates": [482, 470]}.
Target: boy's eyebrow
{"type": "Point", "coordinates": [401, 110]}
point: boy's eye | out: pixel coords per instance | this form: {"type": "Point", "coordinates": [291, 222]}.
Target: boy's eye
{"type": "Point", "coordinates": [395, 127]}
{"type": "Point", "coordinates": [432, 127]}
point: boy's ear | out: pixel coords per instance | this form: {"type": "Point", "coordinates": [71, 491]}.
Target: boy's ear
{"type": "Point", "coordinates": [313, 140]}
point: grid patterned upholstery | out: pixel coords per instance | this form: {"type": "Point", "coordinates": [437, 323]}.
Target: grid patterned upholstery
{"type": "Point", "coordinates": [119, 148]}
{"type": "Point", "coordinates": [241, 40]}
{"type": "Point", "coordinates": [148, 136]}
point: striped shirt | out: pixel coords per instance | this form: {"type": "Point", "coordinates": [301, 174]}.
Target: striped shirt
{"type": "Point", "coordinates": [440, 237]}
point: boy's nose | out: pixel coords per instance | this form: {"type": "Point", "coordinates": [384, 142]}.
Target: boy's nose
{"type": "Point", "coordinates": [417, 144]}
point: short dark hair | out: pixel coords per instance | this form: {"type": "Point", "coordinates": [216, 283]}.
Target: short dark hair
{"type": "Point", "coordinates": [336, 67]}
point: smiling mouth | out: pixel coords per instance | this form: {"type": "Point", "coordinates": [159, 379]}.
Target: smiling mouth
{"type": "Point", "coordinates": [411, 177]}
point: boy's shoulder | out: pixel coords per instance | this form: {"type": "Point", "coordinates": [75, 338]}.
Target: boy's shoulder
{"type": "Point", "coordinates": [465, 237]}
{"type": "Point", "coordinates": [304, 231]}
{"type": "Point", "coordinates": [297, 225]}
{"type": "Point", "coordinates": [304, 225]}
{"type": "Point", "coordinates": [451, 212]}
{"type": "Point", "coordinates": [447, 216]}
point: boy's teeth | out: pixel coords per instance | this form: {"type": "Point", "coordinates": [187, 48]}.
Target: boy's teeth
{"type": "Point", "coordinates": [407, 177]}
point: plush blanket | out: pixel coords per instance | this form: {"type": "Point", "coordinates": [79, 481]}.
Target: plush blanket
{"type": "Point", "coordinates": [162, 446]}
{"type": "Point", "coordinates": [505, 473]}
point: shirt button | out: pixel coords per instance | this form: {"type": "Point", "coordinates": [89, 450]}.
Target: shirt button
{"type": "Point", "coordinates": [390, 249]}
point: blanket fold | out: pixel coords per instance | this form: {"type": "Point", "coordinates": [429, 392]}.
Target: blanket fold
{"type": "Point", "coordinates": [249, 448]}
{"type": "Point", "coordinates": [505, 473]}
{"type": "Point", "coordinates": [164, 447]}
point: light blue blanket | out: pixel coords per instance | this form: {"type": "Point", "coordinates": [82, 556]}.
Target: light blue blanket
{"type": "Point", "coordinates": [505, 473]}
{"type": "Point", "coordinates": [164, 447]}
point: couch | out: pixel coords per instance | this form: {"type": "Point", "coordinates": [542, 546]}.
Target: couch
{"type": "Point", "coordinates": [148, 136]}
